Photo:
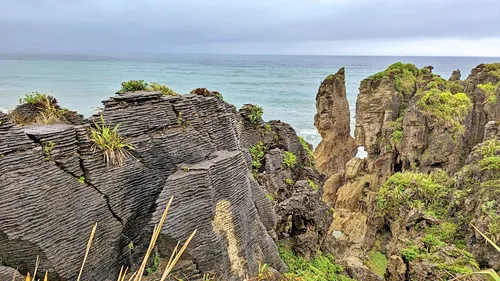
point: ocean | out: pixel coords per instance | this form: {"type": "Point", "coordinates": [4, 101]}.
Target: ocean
{"type": "Point", "coordinates": [284, 86]}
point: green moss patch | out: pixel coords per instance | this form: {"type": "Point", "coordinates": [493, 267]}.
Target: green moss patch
{"type": "Point", "coordinates": [377, 262]}
{"type": "Point", "coordinates": [489, 90]}
{"type": "Point", "coordinates": [322, 267]}
{"type": "Point", "coordinates": [403, 74]}
{"type": "Point", "coordinates": [445, 107]}
{"type": "Point", "coordinates": [425, 191]}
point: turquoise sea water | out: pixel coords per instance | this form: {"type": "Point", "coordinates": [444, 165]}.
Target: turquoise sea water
{"type": "Point", "coordinates": [285, 86]}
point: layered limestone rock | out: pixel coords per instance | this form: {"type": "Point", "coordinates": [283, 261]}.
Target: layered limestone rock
{"type": "Point", "coordinates": [55, 186]}
{"type": "Point", "coordinates": [332, 120]}
{"type": "Point", "coordinates": [412, 121]}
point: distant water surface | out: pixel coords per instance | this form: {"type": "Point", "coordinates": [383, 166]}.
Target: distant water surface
{"type": "Point", "coordinates": [285, 86]}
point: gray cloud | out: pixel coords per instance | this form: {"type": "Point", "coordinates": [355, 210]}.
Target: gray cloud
{"type": "Point", "coordinates": [159, 25]}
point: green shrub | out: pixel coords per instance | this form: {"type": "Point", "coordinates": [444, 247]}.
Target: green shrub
{"type": "Point", "coordinates": [377, 262]}
{"type": "Point", "coordinates": [445, 107]}
{"type": "Point", "coordinates": [255, 114]}
{"type": "Point", "coordinates": [489, 90]}
{"type": "Point", "coordinates": [112, 145]}
{"type": "Point", "coordinates": [155, 87]}
{"type": "Point", "coordinates": [81, 179]}
{"type": "Point", "coordinates": [289, 160]}
{"type": "Point", "coordinates": [257, 152]}
{"type": "Point", "coordinates": [289, 182]}
{"type": "Point", "coordinates": [133, 85]}
{"type": "Point", "coordinates": [33, 98]}
{"type": "Point", "coordinates": [320, 268]}
{"type": "Point", "coordinates": [454, 87]}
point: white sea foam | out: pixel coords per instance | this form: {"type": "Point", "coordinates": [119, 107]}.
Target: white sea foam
{"type": "Point", "coordinates": [4, 110]}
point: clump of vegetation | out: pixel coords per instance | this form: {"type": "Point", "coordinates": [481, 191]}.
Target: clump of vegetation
{"type": "Point", "coordinates": [329, 77]}
{"type": "Point", "coordinates": [306, 147]}
{"type": "Point", "coordinates": [43, 109]}
{"type": "Point", "coordinates": [494, 69]}
{"type": "Point", "coordinates": [255, 114]}
{"type": "Point", "coordinates": [257, 152]}
{"type": "Point", "coordinates": [33, 98]}
{"type": "Point", "coordinates": [265, 129]}
{"type": "Point", "coordinates": [396, 136]}
{"type": "Point", "coordinates": [377, 262]}
{"type": "Point", "coordinates": [403, 74]}
{"type": "Point", "coordinates": [454, 87]}
{"type": "Point", "coordinates": [154, 266]}
{"type": "Point", "coordinates": [133, 85]}
{"type": "Point", "coordinates": [140, 85]}
{"type": "Point", "coordinates": [113, 146]}
{"type": "Point", "coordinates": [289, 181]}
{"type": "Point", "coordinates": [289, 160]}
{"type": "Point", "coordinates": [446, 108]}
{"type": "Point", "coordinates": [322, 267]}
{"type": "Point", "coordinates": [156, 87]}
{"type": "Point", "coordinates": [312, 184]}
{"type": "Point", "coordinates": [81, 179]}
{"type": "Point", "coordinates": [489, 90]}
{"type": "Point", "coordinates": [429, 191]}
{"type": "Point", "coordinates": [47, 149]}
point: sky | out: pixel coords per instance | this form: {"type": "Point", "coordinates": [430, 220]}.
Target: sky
{"type": "Point", "coordinates": [306, 27]}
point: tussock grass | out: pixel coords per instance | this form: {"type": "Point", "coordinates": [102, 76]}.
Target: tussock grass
{"type": "Point", "coordinates": [138, 275]}
{"type": "Point", "coordinates": [113, 146]}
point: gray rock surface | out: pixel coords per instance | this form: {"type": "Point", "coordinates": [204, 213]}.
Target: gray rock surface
{"type": "Point", "coordinates": [192, 147]}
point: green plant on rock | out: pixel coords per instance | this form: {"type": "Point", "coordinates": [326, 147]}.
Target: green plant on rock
{"type": "Point", "coordinates": [454, 87]}
{"type": "Point", "coordinates": [48, 147]}
{"type": "Point", "coordinates": [81, 179]}
{"type": "Point", "coordinates": [446, 108]}
{"type": "Point", "coordinates": [396, 136]}
{"type": "Point", "coordinates": [255, 114]}
{"type": "Point", "coordinates": [321, 267]}
{"type": "Point", "coordinates": [133, 85]}
{"type": "Point", "coordinates": [377, 262]}
{"type": "Point", "coordinates": [489, 90]}
{"type": "Point", "coordinates": [403, 75]}
{"type": "Point", "coordinates": [402, 189]}
{"type": "Point", "coordinates": [33, 98]}
{"type": "Point", "coordinates": [491, 163]}
{"type": "Point", "coordinates": [312, 184]}
{"type": "Point", "coordinates": [289, 160]}
{"type": "Point", "coordinates": [289, 181]}
{"type": "Point", "coordinates": [306, 147]}
{"type": "Point", "coordinates": [494, 69]}
{"type": "Point", "coordinates": [106, 139]}
{"type": "Point", "coordinates": [257, 152]}
{"type": "Point", "coordinates": [156, 87]}
{"type": "Point", "coordinates": [265, 129]}
{"type": "Point", "coordinates": [154, 266]}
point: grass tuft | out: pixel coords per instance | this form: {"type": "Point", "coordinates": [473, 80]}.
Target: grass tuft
{"type": "Point", "coordinates": [112, 145]}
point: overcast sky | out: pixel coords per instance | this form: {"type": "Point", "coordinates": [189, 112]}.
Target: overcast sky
{"type": "Point", "coordinates": [337, 27]}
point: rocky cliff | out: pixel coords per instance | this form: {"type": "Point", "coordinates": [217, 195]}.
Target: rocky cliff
{"type": "Point", "coordinates": [56, 185]}
{"type": "Point", "coordinates": [332, 120]}
{"type": "Point", "coordinates": [403, 212]}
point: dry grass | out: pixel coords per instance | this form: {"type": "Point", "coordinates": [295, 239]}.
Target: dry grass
{"type": "Point", "coordinates": [112, 145]}
{"type": "Point", "coordinates": [138, 275]}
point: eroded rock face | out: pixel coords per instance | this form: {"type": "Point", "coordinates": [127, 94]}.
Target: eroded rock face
{"type": "Point", "coordinates": [400, 122]}
{"type": "Point", "coordinates": [195, 148]}
{"type": "Point", "coordinates": [332, 120]}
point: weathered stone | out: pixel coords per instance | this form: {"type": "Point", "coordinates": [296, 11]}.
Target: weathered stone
{"type": "Point", "coordinates": [332, 120]}
{"type": "Point", "coordinates": [455, 76]}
